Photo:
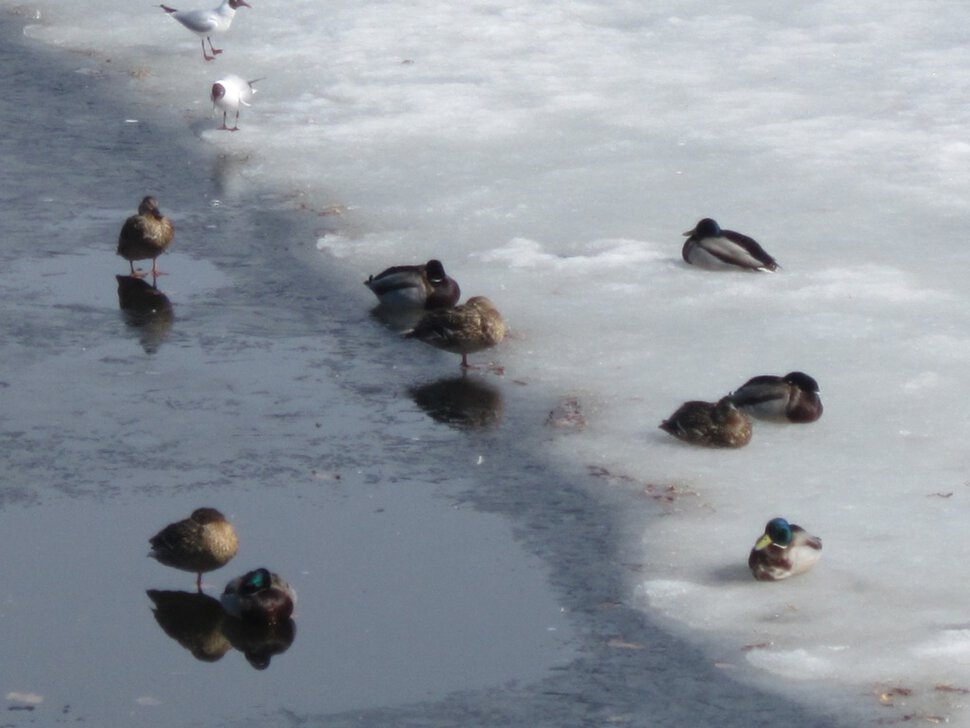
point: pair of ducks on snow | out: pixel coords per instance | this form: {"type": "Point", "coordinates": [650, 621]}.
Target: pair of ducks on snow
{"type": "Point", "coordinates": [206, 541]}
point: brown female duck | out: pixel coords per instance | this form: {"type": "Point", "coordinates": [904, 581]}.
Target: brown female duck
{"type": "Point", "coordinates": [145, 235]}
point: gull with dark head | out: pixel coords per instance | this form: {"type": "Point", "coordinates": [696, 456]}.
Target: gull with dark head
{"type": "Point", "coordinates": [229, 94]}
{"type": "Point", "coordinates": [205, 23]}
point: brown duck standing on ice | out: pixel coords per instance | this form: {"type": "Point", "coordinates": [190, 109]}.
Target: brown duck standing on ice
{"type": "Point", "coordinates": [145, 235]}
{"type": "Point", "coordinates": [202, 542]}
{"type": "Point", "coordinates": [712, 424]}
{"type": "Point", "coordinates": [473, 326]}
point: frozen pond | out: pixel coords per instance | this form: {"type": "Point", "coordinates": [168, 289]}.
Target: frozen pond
{"type": "Point", "coordinates": [447, 572]}
{"type": "Point", "coordinates": [550, 155]}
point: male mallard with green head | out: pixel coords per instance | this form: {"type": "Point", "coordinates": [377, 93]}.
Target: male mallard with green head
{"type": "Point", "coordinates": [792, 398]}
{"type": "Point", "coordinates": [783, 550]}
{"type": "Point", "coordinates": [415, 286]}
{"type": "Point", "coordinates": [202, 542]}
{"type": "Point", "coordinates": [259, 596]}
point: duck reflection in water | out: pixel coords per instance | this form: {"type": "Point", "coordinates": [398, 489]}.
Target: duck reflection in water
{"type": "Point", "coordinates": [463, 402]}
{"type": "Point", "coordinates": [146, 310]}
{"type": "Point", "coordinates": [193, 620]}
{"type": "Point", "coordinates": [259, 641]}
{"type": "Point", "coordinates": [199, 623]}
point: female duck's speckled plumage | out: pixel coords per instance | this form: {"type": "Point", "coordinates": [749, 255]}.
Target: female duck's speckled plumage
{"type": "Point", "coordinates": [259, 596]}
{"type": "Point", "coordinates": [415, 286]}
{"type": "Point", "coordinates": [712, 424]}
{"type": "Point", "coordinates": [202, 542]}
{"type": "Point", "coordinates": [793, 397]}
{"type": "Point", "coordinates": [473, 326]}
{"type": "Point", "coordinates": [145, 235]}
{"type": "Point", "coordinates": [783, 550]}
{"type": "Point", "coordinates": [708, 246]}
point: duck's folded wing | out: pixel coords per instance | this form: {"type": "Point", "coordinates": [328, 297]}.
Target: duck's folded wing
{"type": "Point", "coordinates": [737, 249]}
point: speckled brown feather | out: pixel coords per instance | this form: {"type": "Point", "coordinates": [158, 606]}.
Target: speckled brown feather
{"type": "Point", "coordinates": [203, 542]}
{"type": "Point", "coordinates": [473, 326]}
{"type": "Point", "coordinates": [711, 424]}
{"type": "Point", "coordinates": [145, 235]}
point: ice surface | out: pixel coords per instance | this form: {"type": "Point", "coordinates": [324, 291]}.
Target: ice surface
{"type": "Point", "coordinates": [551, 154]}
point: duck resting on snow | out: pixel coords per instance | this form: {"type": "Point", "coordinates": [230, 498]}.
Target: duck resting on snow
{"type": "Point", "coordinates": [708, 246]}
{"type": "Point", "coordinates": [792, 398]}
{"type": "Point", "coordinates": [415, 286]}
{"type": "Point", "coordinates": [783, 550]}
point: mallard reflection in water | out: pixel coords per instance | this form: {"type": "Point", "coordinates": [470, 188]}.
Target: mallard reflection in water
{"type": "Point", "coordinates": [193, 620]}
{"type": "Point", "coordinates": [462, 402]}
{"type": "Point", "coordinates": [146, 310]}
{"type": "Point", "coordinates": [259, 641]}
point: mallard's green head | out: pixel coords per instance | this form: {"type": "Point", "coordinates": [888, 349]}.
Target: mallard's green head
{"type": "Point", "coordinates": [256, 581]}
{"type": "Point", "coordinates": [706, 228]}
{"type": "Point", "coordinates": [778, 532]}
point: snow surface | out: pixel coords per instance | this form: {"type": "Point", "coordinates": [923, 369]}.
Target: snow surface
{"type": "Point", "coordinates": [552, 153]}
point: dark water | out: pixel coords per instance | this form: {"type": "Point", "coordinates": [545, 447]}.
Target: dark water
{"type": "Point", "coordinates": [447, 574]}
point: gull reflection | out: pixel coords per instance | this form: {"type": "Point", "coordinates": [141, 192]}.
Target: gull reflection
{"type": "Point", "coordinates": [146, 310]}
{"type": "Point", "coordinates": [464, 402]}
{"type": "Point", "coordinates": [193, 620]}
